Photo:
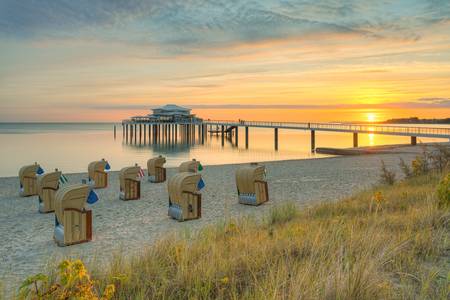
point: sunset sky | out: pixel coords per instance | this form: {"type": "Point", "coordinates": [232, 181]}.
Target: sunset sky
{"type": "Point", "coordinates": [107, 60]}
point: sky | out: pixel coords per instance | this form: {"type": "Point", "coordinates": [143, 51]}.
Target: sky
{"type": "Point", "coordinates": [107, 60]}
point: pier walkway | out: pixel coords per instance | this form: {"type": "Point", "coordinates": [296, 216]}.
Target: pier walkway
{"type": "Point", "coordinates": [156, 129]}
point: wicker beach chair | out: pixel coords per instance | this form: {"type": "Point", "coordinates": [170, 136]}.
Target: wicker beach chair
{"type": "Point", "coordinates": [155, 169]}
{"type": "Point", "coordinates": [28, 180]}
{"type": "Point", "coordinates": [97, 174]}
{"type": "Point", "coordinates": [48, 185]}
{"type": "Point", "coordinates": [251, 184]}
{"type": "Point", "coordinates": [130, 183]}
{"type": "Point", "coordinates": [189, 166]}
{"type": "Point", "coordinates": [185, 202]}
{"type": "Point", "coordinates": [73, 222]}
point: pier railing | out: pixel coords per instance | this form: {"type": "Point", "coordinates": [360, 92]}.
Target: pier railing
{"type": "Point", "coordinates": [342, 127]}
{"type": "Point", "coordinates": [436, 132]}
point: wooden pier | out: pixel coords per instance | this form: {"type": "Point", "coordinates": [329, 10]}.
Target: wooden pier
{"type": "Point", "coordinates": [171, 132]}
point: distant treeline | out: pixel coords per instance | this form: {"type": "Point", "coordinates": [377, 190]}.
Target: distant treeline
{"type": "Point", "coordinates": [415, 120]}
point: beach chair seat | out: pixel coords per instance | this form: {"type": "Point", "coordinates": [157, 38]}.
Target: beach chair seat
{"type": "Point", "coordinates": [28, 180]}
{"type": "Point", "coordinates": [156, 171]}
{"type": "Point", "coordinates": [97, 174]}
{"type": "Point", "coordinates": [130, 183]}
{"type": "Point", "coordinates": [185, 202]}
{"type": "Point", "coordinates": [73, 222]}
{"type": "Point", "coordinates": [48, 185]}
{"type": "Point", "coordinates": [251, 184]}
{"type": "Point", "coordinates": [189, 166]}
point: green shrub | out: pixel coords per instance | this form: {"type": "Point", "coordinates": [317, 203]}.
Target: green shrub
{"type": "Point", "coordinates": [405, 168]}
{"type": "Point", "coordinates": [420, 165]}
{"type": "Point", "coordinates": [73, 282]}
{"type": "Point", "coordinates": [443, 191]}
{"type": "Point", "coordinates": [386, 176]}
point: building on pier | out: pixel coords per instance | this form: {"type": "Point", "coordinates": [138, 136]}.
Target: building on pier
{"type": "Point", "coordinates": [169, 113]}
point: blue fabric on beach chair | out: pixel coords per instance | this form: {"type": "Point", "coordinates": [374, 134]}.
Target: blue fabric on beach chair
{"type": "Point", "coordinates": [252, 185]}
{"type": "Point", "coordinates": [175, 212]}
{"type": "Point", "coordinates": [249, 199]}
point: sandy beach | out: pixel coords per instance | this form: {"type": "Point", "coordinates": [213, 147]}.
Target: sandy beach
{"type": "Point", "coordinates": [26, 235]}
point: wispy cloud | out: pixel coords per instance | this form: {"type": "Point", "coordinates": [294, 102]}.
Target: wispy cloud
{"type": "Point", "coordinates": [187, 25]}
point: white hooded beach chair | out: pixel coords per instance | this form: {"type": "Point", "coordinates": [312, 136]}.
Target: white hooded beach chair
{"type": "Point", "coordinates": [97, 173]}
{"type": "Point", "coordinates": [185, 201]}
{"type": "Point", "coordinates": [189, 166]}
{"type": "Point", "coordinates": [156, 170]}
{"type": "Point", "coordinates": [48, 185]}
{"type": "Point", "coordinates": [73, 222]}
{"type": "Point", "coordinates": [251, 184]}
{"type": "Point", "coordinates": [28, 180]}
{"type": "Point", "coordinates": [130, 183]}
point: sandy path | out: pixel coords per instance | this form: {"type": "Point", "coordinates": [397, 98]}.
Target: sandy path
{"type": "Point", "coordinates": [26, 236]}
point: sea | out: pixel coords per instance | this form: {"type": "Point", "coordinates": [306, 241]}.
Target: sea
{"type": "Point", "coordinates": [70, 147]}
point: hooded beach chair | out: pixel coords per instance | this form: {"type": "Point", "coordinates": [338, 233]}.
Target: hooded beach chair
{"type": "Point", "coordinates": [73, 222]}
{"type": "Point", "coordinates": [189, 166]}
{"type": "Point", "coordinates": [130, 183]}
{"type": "Point", "coordinates": [28, 180]}
{"type": "Point", "coordinates": [185, 201]}
{"type": "Point", "coordinates": [97, 173]}
{"type": "Point", "coordinates": [48, 185]}
{"type": "Point", "coordinates": [155, 169]}
{"type": "Point", "coordinates": [252, 185]}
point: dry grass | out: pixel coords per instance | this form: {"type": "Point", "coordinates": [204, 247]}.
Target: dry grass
{"type": "Point", "coordinates": [387, 243]}
{"type": "Point", "coordinates": [365, 247]}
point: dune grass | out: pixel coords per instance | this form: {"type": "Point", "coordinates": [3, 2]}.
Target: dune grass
{"type": "Point", "coordinates": [387, 243]}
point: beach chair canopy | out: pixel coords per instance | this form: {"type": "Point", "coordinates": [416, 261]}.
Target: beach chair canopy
{"type": "Point", "coordinates": [182, 182]}
{"type": "Point", "coordinates": [96, 166]}
{"type": "Point", "coordinates": [246, 177]}
{"type": "Point", "coordinates": [189, 166]}
{"type": "Point", "coordinates": [28, 171]}
{"type": "Point", "coordinates": [72, 196]}
{"type": "Point", "coordinates": [129, 173]}
{"type": "Point", "coordinates": [155, 162]}
{"type": "Point", "coordinates": [49, 180]}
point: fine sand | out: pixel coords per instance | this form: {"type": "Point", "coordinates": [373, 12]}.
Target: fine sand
{"type": "Point", "coordinates": [27, 236]}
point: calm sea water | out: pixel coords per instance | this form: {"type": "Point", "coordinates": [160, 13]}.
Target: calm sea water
{"type": "Point", "coordinates": [71, 146]}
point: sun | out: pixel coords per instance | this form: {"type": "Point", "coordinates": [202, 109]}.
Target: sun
{"type": "Point", "coordinates": [371, 117]}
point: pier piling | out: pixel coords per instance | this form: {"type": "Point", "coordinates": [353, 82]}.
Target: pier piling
{"type": "Point", "coordinates": [355, 139]}
{"type": "Point", "coordinates": [236, 136]}
{"type": "Point", "coordinates": [223, 135]}
{"type": "Point", "coordinates": [313, 140]}
{"type": "Point", "coordinates": [276, 138]}
{"type": "Point", "coordinates": [413, 140]}
{"type": "Point", "coordinates": [246, 137]}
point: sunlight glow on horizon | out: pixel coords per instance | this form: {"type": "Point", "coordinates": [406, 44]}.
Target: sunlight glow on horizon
{"type": "Point", "coordinates": [118, 61]}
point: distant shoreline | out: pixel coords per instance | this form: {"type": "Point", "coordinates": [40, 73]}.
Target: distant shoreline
{"type": "Point", "coordinates": [415, 120]}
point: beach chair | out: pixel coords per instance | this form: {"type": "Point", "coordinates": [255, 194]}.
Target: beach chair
{"type": "Point", "coordinates": [155, 169]}
{"type": "Point", "coordinates": [251, 184]}
{"type": "Point", "coordinates": [28, 180]}
{"type": "Point", "coordinates": [73, 222]}
{"type": "Point", "coordinates": [185, 202]}
{"type": "Point", "coordinates": [189, 166]}
{"type": "Point", "coordinates": [97, 174]}
{"type": "Point", "coordinates": [130, 183]}
{"type": "Point", "coordinates": [48, 185]}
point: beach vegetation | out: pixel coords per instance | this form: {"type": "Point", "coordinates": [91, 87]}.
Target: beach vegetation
{"type": "Point", "coordinates": [387, 176]}
{"type": "Point", "coordinates": [72, 281]}
{"type": "Point", "coordinates": [388, 242]}
{"type": "Point", "coordinates": [406, 169]}
{"type": "Point", "coordinates": [443, 191]}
